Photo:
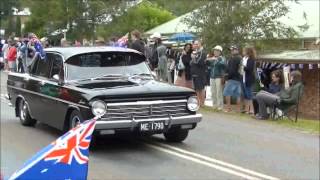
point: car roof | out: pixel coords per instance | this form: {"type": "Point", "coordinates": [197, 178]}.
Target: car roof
{"type": "Point", "coordinates": [68, 52]}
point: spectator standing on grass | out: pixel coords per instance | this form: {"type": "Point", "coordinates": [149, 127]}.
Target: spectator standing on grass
{"type": "Point", "coordinates": [137, 43]}
{"type": "Point", "coordinates": [12, 56]}
{"type": "Point", "coordinates": [154, 59]}
{"type": "Point", "coordinates": [162, 61]}
{"type": "Point", "coordinates": [248, 78]}
{"type": "Point", "coordinates": [184, 78]}
{"type": "Point", "coordinates": [217, 70]}
{"type": "Point", "coordinates": [24, 53]}
{"type": "Point", "coordinates": [234, 78]}
{"type": "Point", "coordinates": [285, 98]}
{"type": "Point", "coordinates": [198, 70]}
{"type": "Point", "coordinates": [5, 50]}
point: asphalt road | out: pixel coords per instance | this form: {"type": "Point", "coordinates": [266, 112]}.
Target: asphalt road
{"type": "Point", "coordinates": [221, 147]}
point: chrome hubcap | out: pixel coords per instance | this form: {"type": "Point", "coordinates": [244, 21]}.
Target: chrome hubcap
{"type": "Point", "coordinates": [75, 121]}
{"type": "Point", "coordinates": [23, 111]}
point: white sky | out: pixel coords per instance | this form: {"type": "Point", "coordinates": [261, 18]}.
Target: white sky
{"type": "Point", "coordinates": [295, 17]}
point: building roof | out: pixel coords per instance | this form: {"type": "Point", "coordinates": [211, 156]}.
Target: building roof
{"type": "Point", "coordinates": [68, 52]}
{"type": "Point", "coordinates": [173, 26]}
{"type": "Point", "coordinates": [294, 19]}
{"type": "Point", "coordinates": [300, 56]}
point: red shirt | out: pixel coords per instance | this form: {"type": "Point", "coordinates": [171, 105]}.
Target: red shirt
{"type": "Point", "coordinates": [12, 54]}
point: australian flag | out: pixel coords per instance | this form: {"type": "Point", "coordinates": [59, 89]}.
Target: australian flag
{"type": "Point", "coordinates": [65, 158]}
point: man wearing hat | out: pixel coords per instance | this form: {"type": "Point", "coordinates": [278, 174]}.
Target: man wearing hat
{"type": "Point", "coordinates": [216, 66]}
{"type": "Point", "coordinates": [234, 78]}
{"type": "Point", "coordinates": [154, 60]}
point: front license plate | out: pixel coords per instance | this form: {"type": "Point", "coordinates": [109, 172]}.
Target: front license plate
{"type": "Point", "coordinates": [152, 126]}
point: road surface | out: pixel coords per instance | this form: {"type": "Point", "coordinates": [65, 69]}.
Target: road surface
{"type": "Point", "coordinates": [221, 147]}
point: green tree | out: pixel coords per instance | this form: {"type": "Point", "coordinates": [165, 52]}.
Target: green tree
{"type": "Point", "coordinates": [7, 21]}
{"type": "Point", "coordinates": [78, 16]}
{"type": "Point", "coordinates": [141, 17]}
{"type": "Point", "coordinates": [226, 22]}
{"type": "Point", "coordinates": [179, 7]}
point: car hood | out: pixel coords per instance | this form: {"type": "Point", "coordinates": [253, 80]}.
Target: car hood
{"type": "Point", "coordinates": [121, 89]}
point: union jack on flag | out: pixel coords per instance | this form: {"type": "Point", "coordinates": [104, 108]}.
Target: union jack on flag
{"type": "Point", "coordinates": [65, 158]}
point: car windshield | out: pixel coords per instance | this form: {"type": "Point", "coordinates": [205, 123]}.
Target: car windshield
{"type": "Point", "coordinates": [106, 65]}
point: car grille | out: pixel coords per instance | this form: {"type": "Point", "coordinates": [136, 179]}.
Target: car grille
{"type": "Point", "coordinates": [146, 109]}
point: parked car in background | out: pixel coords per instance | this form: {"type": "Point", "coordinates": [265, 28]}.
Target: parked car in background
{"type": "Point", "coordinates": [73, 84]}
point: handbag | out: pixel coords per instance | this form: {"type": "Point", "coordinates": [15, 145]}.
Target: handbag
{"type": "Point", "coordinates": [181, 66]}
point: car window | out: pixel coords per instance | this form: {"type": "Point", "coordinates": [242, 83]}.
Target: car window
{"type": "Point", "coordinates": [42, 67]}
{"type": "Point", "coordinates": [56, 64]}
{"type": "Point", "coordinates": [33, 67]}
{"type": "Point", "coordinates": [109, 59]}
{"type": "Point", "coordinates": [97, 64]}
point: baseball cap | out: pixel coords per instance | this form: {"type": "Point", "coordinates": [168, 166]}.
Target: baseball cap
{"type": "Point", "coordinates": [156, 35]}
{"type": "Point", "coordinates": [219, 48]}
{"type": "Point", "coordinates": [233, 47]}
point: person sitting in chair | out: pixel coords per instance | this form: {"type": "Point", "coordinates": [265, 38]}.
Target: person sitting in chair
{"type": "Point", "coordinates": [283, 99]}
{"type": "Point", "coordinates": [274, 87]}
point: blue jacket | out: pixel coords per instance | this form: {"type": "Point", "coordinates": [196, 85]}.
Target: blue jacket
{"type": "Point", "coordinates": [217, 67]}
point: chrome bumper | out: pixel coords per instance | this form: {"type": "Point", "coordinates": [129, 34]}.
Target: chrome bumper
{"type": "Point", "coordinates": [133, 123]}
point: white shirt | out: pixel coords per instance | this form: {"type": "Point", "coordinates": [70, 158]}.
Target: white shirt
{"type": "Point", "coordinates": [244, 64]}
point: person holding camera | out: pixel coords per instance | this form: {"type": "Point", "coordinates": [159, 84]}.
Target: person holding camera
{"type": "Point", "coordinates": [184, 78]}
{"type": "Point", "coordinates": [217, 67]}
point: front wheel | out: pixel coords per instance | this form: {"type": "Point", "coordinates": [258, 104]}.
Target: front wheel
{"type": "Point", "coordinates": [75, 119]}
{"type": "Point", "coordinates": [176, 135]}
{"type": "Point", "coordinates": [24, 114]}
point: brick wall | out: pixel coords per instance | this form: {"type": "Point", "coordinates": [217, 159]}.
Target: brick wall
{"type": "Point", "coordinates": [310, 102]}
{"type": "Point", "coordinates": [310, 44]}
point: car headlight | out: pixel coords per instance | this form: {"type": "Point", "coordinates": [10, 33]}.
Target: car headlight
{"type": "Point", "coordinates": [99, 108]}
{"type": "Point", "coordinates": [193, 103]}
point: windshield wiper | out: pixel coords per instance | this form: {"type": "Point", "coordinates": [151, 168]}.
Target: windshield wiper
{"type": "Point", "coordinates": [142, 75]}
{"type": "Point", "coordinates": [110, 76]}
{"type": "Point", "coordinates": [104, 77]}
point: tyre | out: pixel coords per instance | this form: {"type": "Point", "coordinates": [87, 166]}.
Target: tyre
{"type": "Point", "coordinates": [75, 118]}
{"type": "Point", "coordinates": [24, 114]}
{"type": "Point", "coordinates": [176, 135]}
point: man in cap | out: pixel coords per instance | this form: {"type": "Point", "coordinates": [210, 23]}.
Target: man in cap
{"type": "Point", "coordinates": [233, 85]}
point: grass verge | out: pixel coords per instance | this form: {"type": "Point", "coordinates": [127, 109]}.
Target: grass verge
{"type": "Point", "coordinates": [305, 125]}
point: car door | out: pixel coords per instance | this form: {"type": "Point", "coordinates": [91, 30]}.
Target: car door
{"type": "Point", "coordinates": [56, 106]}
{"type": "Point", "coordinates": [37, 82]}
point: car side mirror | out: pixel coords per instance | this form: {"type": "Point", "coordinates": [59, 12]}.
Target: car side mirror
{"type": "Point", "coordinates": [154, 75]}
{"type": "Point", "coordinates": [56, 77]}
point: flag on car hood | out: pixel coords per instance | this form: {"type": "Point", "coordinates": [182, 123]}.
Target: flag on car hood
{"type": "Point", "coordinates": [65, 158]}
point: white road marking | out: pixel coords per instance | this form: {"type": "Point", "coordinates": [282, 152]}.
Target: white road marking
{"type": "Point", "coordinates": [239, 174]}
{"type": "Point", "coordinates": [211, 162]}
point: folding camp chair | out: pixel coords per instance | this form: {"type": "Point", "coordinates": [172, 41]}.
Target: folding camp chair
{"type": "Point", "coordinates": [279, 113]}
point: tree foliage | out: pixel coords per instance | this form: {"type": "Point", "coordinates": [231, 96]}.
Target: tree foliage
{"type": "Point", "coordinates": [227, 22]}
{"type": "Point", "coordinates": [6, 15]}
{"type": "Point", "coordinates": [179, 7]}
{"type": "Point", "coordinates": [141, 17]}
{"type": "Point", "coordinates": [79, 17]}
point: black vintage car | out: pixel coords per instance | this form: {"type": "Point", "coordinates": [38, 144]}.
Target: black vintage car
{"type": "Point", "coordinates": [73, 84]}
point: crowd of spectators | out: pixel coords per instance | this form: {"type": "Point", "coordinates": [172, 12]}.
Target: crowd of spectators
{"type": "Point", "coordinates": [232, 79]}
